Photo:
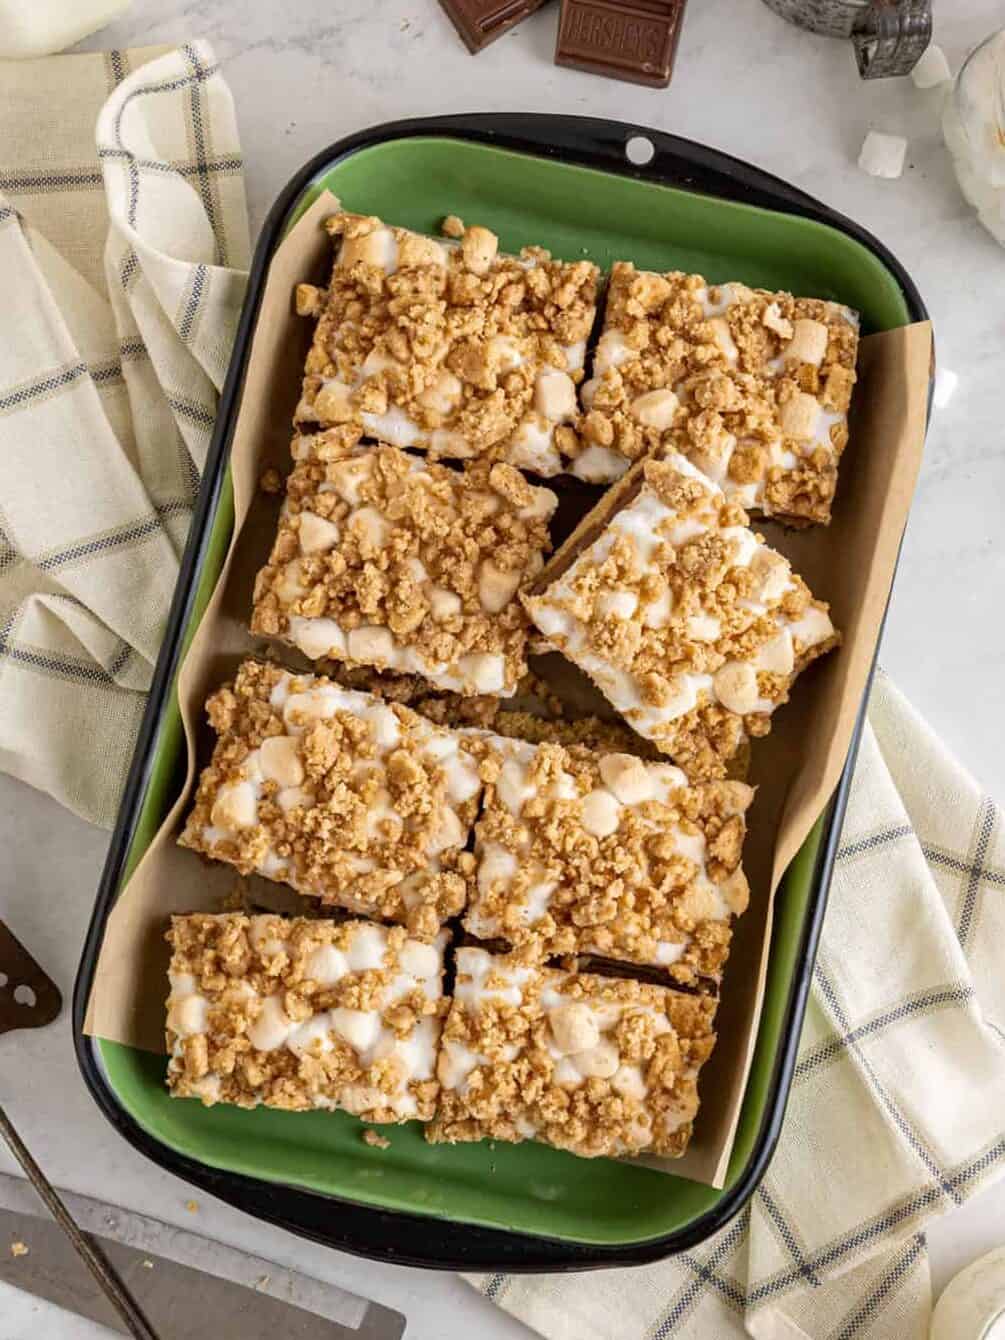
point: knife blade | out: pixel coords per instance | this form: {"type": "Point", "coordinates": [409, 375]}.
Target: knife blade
{"type": "Point", "coordinates": [188, 1286]}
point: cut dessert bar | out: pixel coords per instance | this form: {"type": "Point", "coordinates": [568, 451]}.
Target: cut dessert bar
{"type": "Point", "coordinates": [753, 387]}
{"type": "Point", "coordinates": [595, 1065]}
{"type": "Point", "coordinates": [385, 559]}
{"type": "Point", "coordinates": [606, 854]}
{"type": "Point", "coordinates": [361, 803]}
{"type": "Point", "coordinates": [689, 623]}
{"type": "Point", "coordinates": [447, 345]}
{"type": "Point", "coordinates": [304, 1014]}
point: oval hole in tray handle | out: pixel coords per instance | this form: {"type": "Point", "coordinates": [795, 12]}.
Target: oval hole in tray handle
{"type": "Point", "coordinates": [28, 997]}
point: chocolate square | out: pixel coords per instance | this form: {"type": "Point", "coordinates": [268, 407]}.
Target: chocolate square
{"type": "Point", "coordinates": [480, 22]}
{"type": "Point", "coordinates": [636, 42]}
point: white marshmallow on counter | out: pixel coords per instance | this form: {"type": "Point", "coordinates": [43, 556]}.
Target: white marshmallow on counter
{"type": "Point", "coordinates": [883, 155]}
{"type": "Point", "coordinates": [931, 69]}
{"type": "Point", "coordinates": [945, 387]}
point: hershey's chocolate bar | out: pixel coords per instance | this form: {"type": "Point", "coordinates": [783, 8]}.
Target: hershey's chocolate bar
{"type": "Point", "coordinates": [480, 22]}
{"type": "Point", "coordinates": [635, 41]}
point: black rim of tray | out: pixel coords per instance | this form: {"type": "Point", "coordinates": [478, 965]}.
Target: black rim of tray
{"type": "Point", "coordinates": [394, 1236]}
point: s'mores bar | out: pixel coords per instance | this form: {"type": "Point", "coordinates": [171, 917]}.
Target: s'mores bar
{"type": "Point", "coordinates": [449, 346]}
{"type": "Point", "coordinates": [301, 1014]}
{"type": "Point", "coordinates": [359, 803]}
{"type": "Point", "coordinates": [384, 559]}
{"type": "Point", "coordinates": [590, 1064]}
{"type": "Point", "coordinates": [579, 853]}
{"type": "Point", "coordinates": [692, 627]}
{"type": "Point", "coordinates": [753, 387]}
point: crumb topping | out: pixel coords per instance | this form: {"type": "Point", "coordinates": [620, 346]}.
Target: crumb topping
{"type": "Point", "coordinates": [546, 724]}
{"type": "Point", "coordinates": [753, 387]}
{"type": "Point", "coordinates": [302, 1014]}
{"type": "Point", "coordinates": [360, 803]}
{"type": "Point", "coordinates": [387, 560]}
{"type": "Point", "coordinates": [690, 624]}
{"type": "Point", "coordinates": [607, 854]}
{"type": "Point", "coordinates": [451, 346]}
{"type": "Point", "coordinates": [595, 1065]}
{"type": "Point", "coordinates": [590, 732]}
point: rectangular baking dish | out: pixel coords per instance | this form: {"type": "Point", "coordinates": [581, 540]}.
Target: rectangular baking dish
{"type": "Point", "coordinates": [564, 182]}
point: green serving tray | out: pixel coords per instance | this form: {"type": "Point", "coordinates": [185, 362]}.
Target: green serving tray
{"type": "Point", "coordinates": [524, 1206]}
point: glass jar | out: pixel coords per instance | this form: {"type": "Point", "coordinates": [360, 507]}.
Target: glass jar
{"type": "Point", "coordinates": [973, 124]}
{"type": "Point", "coordinates": [889, 36]}
{"type": "Point", "coordinates": [972, 1306]}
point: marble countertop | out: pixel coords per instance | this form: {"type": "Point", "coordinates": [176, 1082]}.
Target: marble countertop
{"type": "Point", "coordinates": [308, 73]}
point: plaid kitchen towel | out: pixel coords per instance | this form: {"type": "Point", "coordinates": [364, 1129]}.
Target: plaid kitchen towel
{"type": "Point", "coordinates": [123, 249]}
{"type": "Point", "coordinates": [897, 1110]}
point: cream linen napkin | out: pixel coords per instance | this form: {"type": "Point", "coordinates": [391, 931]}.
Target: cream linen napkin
{"type": "Point", "coordinates": [897, 1111]}
{"type": "Point", "coordinates": [123, 247]}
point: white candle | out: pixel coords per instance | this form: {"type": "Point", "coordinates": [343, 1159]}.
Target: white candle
{"type": "Point", "coordinates": [39, 27]}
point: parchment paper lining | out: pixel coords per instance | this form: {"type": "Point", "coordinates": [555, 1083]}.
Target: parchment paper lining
{"type": "Point", "coordinates": [796, 768]}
